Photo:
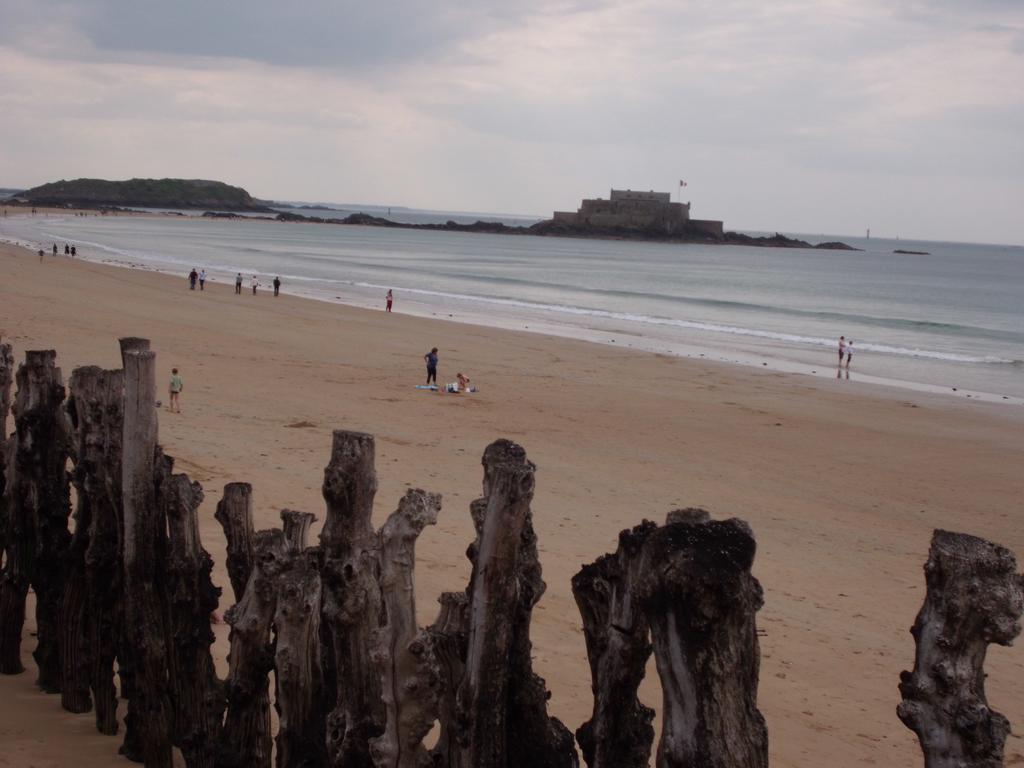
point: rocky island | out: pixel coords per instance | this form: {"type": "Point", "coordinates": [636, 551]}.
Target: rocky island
{"type": "Point", "coordinates": [191, 194]}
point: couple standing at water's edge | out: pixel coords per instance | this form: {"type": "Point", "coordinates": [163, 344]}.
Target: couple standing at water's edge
{"type": "Point", "coordinates": [845, 348]}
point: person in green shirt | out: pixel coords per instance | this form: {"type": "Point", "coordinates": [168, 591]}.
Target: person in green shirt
{"type": "Point", "coordinates": [176, 387]}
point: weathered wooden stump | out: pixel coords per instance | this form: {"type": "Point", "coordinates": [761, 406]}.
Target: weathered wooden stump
{"type": "Point", "coordinates": [196, 694]}
{"type": "Point", "coordinates": [502, 704]}
{"type": "Point", "coordinates": [38, 506]}
{"type": "Point", "coordinates": [409, 676]}
{"type": "Point", "coordinates": [296, 529]}
{"type": "Point", "coordinates": [6, 378]}
{"type": "Point", "coordinates": [6, 466]}
{"type": "Point", "coordinates": [975, 597]}
{"type": "Point", "coordinates": [351, 598]}
{"type": "Point", "coordinates": [701, 602]}
{"type": "Point", "coordinates": [619, 734]}
{"type": "Point", "coordinates": [245, 738]}
{"type": "Point", "coordinates": [300, 702]}
{"type": "Point", "coordinates": [448, 638]}
{"type": "Point", "coordinates": [145, 547]}
{"type": "Point", "coordinates": [234, 513]}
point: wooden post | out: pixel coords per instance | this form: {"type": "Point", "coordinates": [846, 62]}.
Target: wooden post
{"type": "Point", "coordinates": [37, 526]}
{"type": "Point", "coordinates": [351, 598]}
{"type": "Point", "coordinates": [6, 378]}
{"type": "Point", "coordinates": [302, 710]}
{"type": "Point", "coordinates": [196, 693]}
{"type": "Point", "coordinates": [85, 414]}
{"type": "Point", "coordinates": [245, 739]}
{"type": "Point", "coordinates": [701, 601]}
{"type": "Point", "coordinates": [6, 471]}
{"type": "Point", "coordinates": [619, 734]}
{"type": "Point", "coordinates": [234, 513]}
{"type": "Point", "coordinates": [502, 703]}
{"type": "Point", "coordinates": [296, 529]}
{"type": "Point", "coordinates": [975, 597]}
{"type": "Point", "coordinates": [131, 747]}
{"type": "Point", "coordinates": [410, 678]}
{"type": "Point", "coordinates": [145, 545]}
{"type": "Point", "coordinates": [448, 641]}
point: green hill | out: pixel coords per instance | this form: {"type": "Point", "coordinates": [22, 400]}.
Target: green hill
{"type": "Point", "coordinates": [146, 193]}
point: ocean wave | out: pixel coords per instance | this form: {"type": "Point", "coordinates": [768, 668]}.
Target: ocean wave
{"type": "Point", "coordinates": [697, 325]}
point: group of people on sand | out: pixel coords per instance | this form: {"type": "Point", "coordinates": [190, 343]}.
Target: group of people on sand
{"type": "Point", "coordinates": [845, 350]}
{"type": "Point", "coordinates": [199, 276]}
{"type": "Point", "coordinates": [69, 250]}
{"type": "Point", "coordinates": [461, 383]}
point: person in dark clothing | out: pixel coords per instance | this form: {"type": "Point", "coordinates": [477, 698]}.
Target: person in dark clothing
{"type": "Point", "coordinates": [67, 249]}
{"type": "Point", "coordinates": [277, 285]}
{"type": "Point", "coordinates": [238, 283]}
{"type": "Point", "coordinates": [431, 360]}
{"type": "Point", "coordinates": [192, 277]}
{"type": "Point", "coordinates": [54, 249]}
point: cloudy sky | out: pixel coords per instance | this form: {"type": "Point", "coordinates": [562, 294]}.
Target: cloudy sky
{"type": "Point", "coordinates": [797, 115]}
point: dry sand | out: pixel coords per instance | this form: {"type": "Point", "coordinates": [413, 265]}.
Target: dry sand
{"type": "Point", "coordinates": [842, 482]}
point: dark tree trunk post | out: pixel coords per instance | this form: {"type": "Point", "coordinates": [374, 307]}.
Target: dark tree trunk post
{"type": "Point", "coordinates": [38, 507]}
{"type": "Point", "coordinates": [296, 529]}
{"type": "Point", "coordinates": [975, 597]}
{"type": "Point", "coordinates": [104, 569]}
{"type": "Point", "coordinates": [301, 737]}
{"type": "Point", "coordinates": [95, 410]}
{"type": "Point", "coordinates": [131, 747]}
{"type": "Point", "coordinates": [234, 513]}
{"type": "Point", "coordinates": [197, 694]}
{"type": "Point", "coordinates": [245, 739]}
{"type": "Point", "coordinates": [619, 734]}
{"type": "Point", "coordinates": [75, 651]}
{"type": "Point", "coordinates": [351, 598]}
{"type": "Point", "coordinates": [6, 378]}
{"type": "Point", "coordinates": [701, 601]}
{"type": "Point", "coordinates": [502, 703]}
{"type": "Point", "coordinates": [6, 467]}
{"type": "Point", "coordinates": [448, 640]}
{"type": "Point", "coordinates": [409, 675]}
{"type": "Point", "coordinates": [144, 549]}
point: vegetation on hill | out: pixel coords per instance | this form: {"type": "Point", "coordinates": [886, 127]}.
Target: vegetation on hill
{"type": "Point", "coordinates": [147, 193]}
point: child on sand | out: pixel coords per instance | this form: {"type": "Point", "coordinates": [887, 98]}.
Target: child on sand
{"type": "Point", "coordinates": [176, 387]}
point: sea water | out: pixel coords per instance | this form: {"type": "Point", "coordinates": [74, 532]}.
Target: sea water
{"type": "Point", "coordinates": [951, 320]}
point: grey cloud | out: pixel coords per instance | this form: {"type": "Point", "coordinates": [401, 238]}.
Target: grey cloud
{"type": "Point", "coordinates": [324, 33]}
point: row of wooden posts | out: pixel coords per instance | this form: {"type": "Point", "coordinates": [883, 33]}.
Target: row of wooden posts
{"type": "Point", "coordinates": [127, 595]}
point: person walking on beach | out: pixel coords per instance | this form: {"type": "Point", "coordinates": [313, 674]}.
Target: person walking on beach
{"type": "Point", "coordinates": [202, 280]}
{"type": "Point", "coordinates": [277, 285]}
{"type": "Point", "coordinates": [73, 252]}
{"type": "Point", "coordinates": [176, 387]}
{"type": "Point", "coordinates": [41, 254]}
{"type": "Point", "coordinates": [389, 298]}
{"type": "Point", "coordinates": [849, 353]}
{"type": "Point", "coordinates": [54, 249]}
{"type": "Point", "coordinates": [67, 249]}
{"type": "Point", "coordinates": [842, 348]}
{"type": "Point", "coordinates": [255, 284]}
{"type": "Point", "coordinates": [431, 360]}
{"type": "Point", "coordinates": [238, 283]}
{"type": "Point", "coordinates": [192, 277]}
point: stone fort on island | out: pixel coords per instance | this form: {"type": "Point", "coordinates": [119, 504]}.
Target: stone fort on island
{"type": "Point", "coordinates": [651, 212]}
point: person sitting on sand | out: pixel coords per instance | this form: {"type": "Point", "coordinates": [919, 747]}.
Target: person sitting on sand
{"type": "Point", "coordinates": [461, 384]}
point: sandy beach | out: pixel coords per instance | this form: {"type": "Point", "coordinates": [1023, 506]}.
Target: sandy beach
{"type": "Point", "coordinates": [842, 481]}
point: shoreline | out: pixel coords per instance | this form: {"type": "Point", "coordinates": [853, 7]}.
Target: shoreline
{"type": "Point", "coordinates": [733, 349]}
{"type": "Point", "coordinates": [842, 487]}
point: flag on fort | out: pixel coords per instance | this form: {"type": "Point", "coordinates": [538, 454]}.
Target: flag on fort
{"type": "Point", "coordinates": [682, 183]}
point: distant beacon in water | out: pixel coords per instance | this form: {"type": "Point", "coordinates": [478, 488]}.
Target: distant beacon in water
{"type": "Point", "coordinates": [639, 211]}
